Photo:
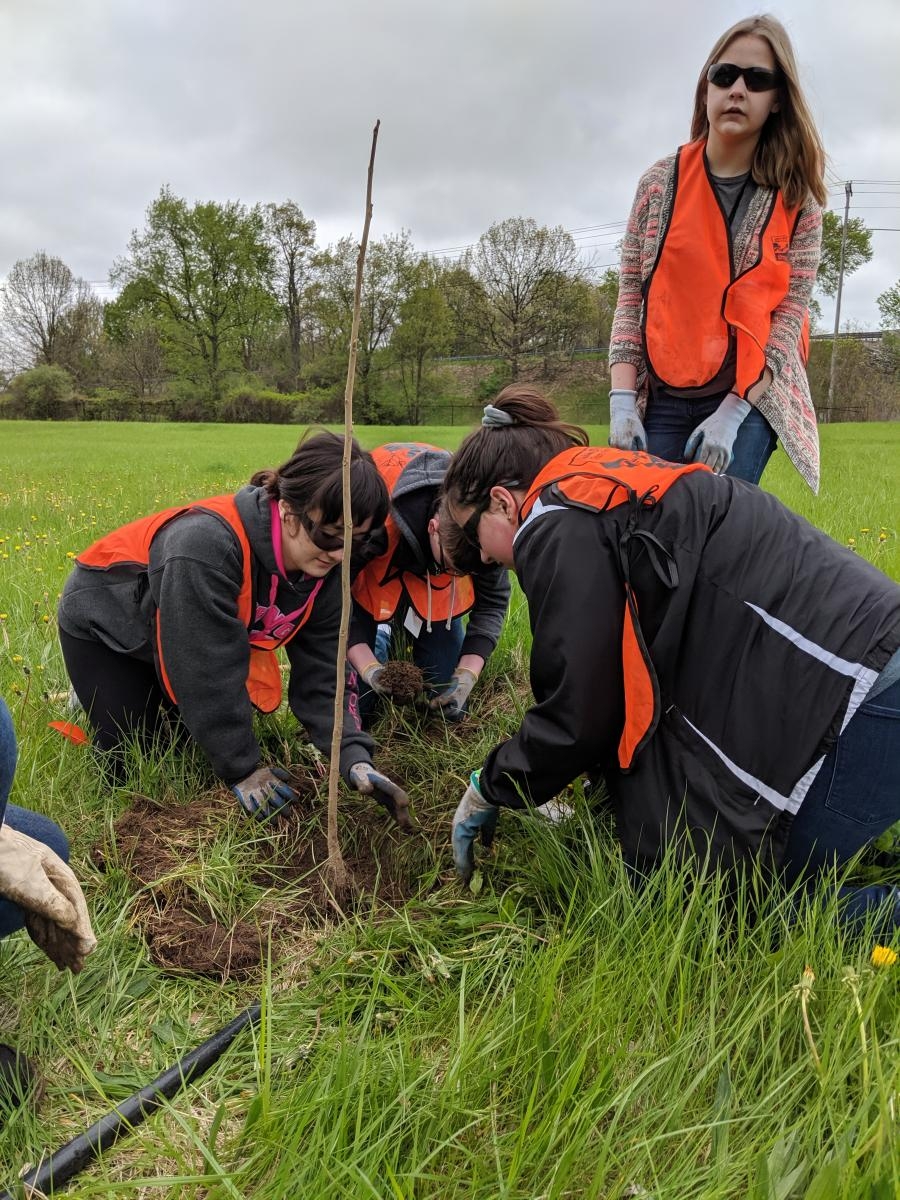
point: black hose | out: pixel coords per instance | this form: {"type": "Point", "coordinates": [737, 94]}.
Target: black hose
{"type": "Point", "coordinates": [69, 1160]}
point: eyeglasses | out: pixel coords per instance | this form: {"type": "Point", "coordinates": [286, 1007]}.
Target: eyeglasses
{"type": "Point", "coordinates": [331, 541]}
{"type": "Point", "coordinates": [756, 79]}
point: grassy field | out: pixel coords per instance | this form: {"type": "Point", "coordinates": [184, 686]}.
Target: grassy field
{"type": "Point", "coordinates": [555, 1035]}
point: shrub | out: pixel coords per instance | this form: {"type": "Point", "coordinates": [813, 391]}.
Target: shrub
{"type": "Point", "coordinates": [42, 393]}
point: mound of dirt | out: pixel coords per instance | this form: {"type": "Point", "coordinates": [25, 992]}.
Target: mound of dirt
{"type": "Point", "coordinates": [180, 940]}
{"type": "Point", "coordinates": [160, 844]}
{"type": "Point", "coordinates": [402, 681]}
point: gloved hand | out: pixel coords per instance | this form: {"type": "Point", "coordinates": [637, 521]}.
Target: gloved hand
{"type": "Point", "coordinates": [453, 699]}
{"type": "Point", "coordinates": [473, 816]}
{"type": "Point", "coordinates": [56, 915]}
{"type": "Point", "coordinates": [712, 442]}
{"type": "Point", "coordinates": [371, 675]}
{"type": "Point", "coordinates": [626, 432]}
{"type": "Point", "coordinates": [557, 812]}
{"type": "Point", "coordinates": [264, 793]}
{"type": "Point", "coordinates": [365, 779]}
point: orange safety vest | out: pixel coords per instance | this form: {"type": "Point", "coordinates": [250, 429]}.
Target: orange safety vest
{"type": "Point", "coordinates": [434, 597]}
{"type": "Point", "coordinates": [598, 478]}
{"type": "Point", "coordinates": [129, 545]}
{"type": "Point", "coordinates": [694, 304]}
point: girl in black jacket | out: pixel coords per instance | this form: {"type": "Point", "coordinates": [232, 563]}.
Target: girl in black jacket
{"type": "Point", "coordinates": [731, 671]}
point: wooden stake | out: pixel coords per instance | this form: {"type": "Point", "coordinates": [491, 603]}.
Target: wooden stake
{"type": "Point", "coordinates": [336, 868]}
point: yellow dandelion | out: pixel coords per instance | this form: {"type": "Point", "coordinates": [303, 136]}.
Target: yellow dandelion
{"type": "Point", "coordinates": [3, 616]}
{"type": "Point", "coordinates": [864, 529]}
{"type": "Point", "coordinates": [882, 537]}
{"type": "Point", "coordinates": [884, 956]}
{"type": "Point", "coordinates": [851, 541]}
{"type": "Point", "coordinates": [17, 658]}
{"type": "Point", "coordinates": [70, 554]}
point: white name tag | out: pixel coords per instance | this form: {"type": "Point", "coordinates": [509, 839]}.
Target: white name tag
{"type": "Point", "coordinates": [413, 622]}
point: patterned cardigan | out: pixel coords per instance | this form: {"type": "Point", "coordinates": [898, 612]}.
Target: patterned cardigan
{"type": "Point", "coordinates": [786, 404]}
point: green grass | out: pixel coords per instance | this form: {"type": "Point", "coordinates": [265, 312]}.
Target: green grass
{"type": "Point", "coordinates": [556, 1035]}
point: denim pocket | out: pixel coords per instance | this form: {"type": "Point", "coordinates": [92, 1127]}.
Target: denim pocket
{"type": "Point", "coordinates": [865, 784]}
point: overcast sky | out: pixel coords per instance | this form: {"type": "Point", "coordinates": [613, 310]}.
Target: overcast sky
{"type": "Point", "coordinates": [489, 109]}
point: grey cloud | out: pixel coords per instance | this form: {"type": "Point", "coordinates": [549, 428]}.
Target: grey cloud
{"type": "Point", "coordinates": [489, 108]}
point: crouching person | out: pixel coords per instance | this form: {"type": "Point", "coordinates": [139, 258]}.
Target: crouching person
{"type": "Point", "coordinates": [38, 892]}
{"type": "Point", "coordinates": [179, 614]}
{"type": "Point", "coordinates": [402, 582]}
{"type": "Point", "coordinates": [734, 672]}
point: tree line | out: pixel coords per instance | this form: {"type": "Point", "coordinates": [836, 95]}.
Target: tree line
{"type": "Point", "coordinates": [230, 312]}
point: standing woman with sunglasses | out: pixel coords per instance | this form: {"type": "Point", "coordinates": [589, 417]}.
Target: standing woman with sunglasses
{"type": "Point", "coordinates": [178, 615]}
{"type": "Point", "coordinates": [709, 342]}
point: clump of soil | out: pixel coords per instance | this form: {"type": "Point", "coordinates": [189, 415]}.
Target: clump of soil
{"type": "Point", "coordinates": [181, 940]}
{"type": "Point", "coordinates": [403, 681]}
{"type": "Point", "coordinates": [158, 843]}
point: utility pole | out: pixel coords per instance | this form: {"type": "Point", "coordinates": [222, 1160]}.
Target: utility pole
{"type": "Point", "coordinates": [848, 192]}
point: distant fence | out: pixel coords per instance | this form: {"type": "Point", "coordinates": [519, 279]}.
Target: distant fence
{"type": "Point", "coordinates": [866, 335]}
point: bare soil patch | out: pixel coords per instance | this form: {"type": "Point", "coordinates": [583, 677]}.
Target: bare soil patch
{"type": "Point", "coordinates": [162, 846]}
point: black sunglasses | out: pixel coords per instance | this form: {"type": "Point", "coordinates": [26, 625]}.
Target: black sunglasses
{"type": "Point", "coordinates": [331, 541]}
{"type": "Point", "coordinates": [756, 79]}
{"type": "Point", "coordinates": [470, 527]}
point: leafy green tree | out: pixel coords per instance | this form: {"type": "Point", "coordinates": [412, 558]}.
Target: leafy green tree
{"type": "Point", "coordinates": [424, 331]}
{"type": "Point", "coordinates": [520, 266]}
{"type": "Point", "coordinates": [205, 274]}
{"type": "Point", "coordinates": [889, 307]}
{"type": "Point", "coordinates": [857, 251]}
{"type": "Point", "coordinates": [80, 344]}
{"type": "Point", "coordinates": [293, 238]}
{"type": "Point", "coordinates": [605, 294]}
{"type": "Point", "coordinates": [468, 305]}
{"type": "Point", "coordinates": [387, 279]}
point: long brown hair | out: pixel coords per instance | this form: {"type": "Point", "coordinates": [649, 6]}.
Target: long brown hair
{"type": "Point", "coordinates": [311, 481]}
{"type": "Point", "coordinates": [789, 155]}
{"type": "Point", "coordinates": [508, 454]}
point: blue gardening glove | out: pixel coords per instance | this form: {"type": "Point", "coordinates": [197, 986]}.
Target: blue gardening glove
{"type": "Point", "coordinates": [363, 778]}
{"type": "Point", "coordinates": [473, 816]}
{"type": "Point", "coordinates": [264, 793]}
{"type": "Point", "coordinates": [712, 442]}
{"type": "Point", "coordinates": [452, 701]}
{"type": "Point", "coordinates": [626, 432]}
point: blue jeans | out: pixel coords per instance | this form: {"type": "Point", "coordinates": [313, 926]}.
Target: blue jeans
{"type": "Point", "coordinates": [33, 824]}
{"type": "Point", "coordinates": [669, 422]}
{"type": "Point", "coordinates": [435, 654]}
{"type": "Point", "coordinates": [854, 798]}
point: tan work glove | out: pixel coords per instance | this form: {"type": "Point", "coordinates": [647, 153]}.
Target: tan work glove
{"type": "Point", "coordinates": [56, 916]}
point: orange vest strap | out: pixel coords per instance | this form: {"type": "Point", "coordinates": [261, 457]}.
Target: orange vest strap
{"type": "Point", "coordinates": [379, 596]}
{"type": "Point", "coordinates": [597, 478]}
{"type": "Point", "coordinates": [130, 545]}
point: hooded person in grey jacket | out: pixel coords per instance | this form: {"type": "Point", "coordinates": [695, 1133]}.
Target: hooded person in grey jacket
{"type": "Point", "coordinates": [179, 614]}
{"type": "Point", "coordinates": [403, 587]}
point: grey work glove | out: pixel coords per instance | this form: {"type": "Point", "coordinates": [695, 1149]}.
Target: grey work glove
{"type": "Point", "coordinates": [712, 442]}
{"type": "Point", "coordinates": [626, 431]}
{"type": "Point", "coordinates": [452, 701]}
{"type": "Point", "coordinates": [473, 816]}
{"type": "Point", "coordinates": [372, 676]}
{"type": "Point", "coordinates": [45, 888]}
{"type": "Point", "coordinates": [265, 793]}
{"type": "Point", "coordinates": [363, 778]}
